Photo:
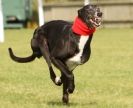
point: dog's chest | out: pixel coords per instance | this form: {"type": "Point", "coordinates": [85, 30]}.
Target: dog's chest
{"type": "Point", "coordinates": [76, 59]}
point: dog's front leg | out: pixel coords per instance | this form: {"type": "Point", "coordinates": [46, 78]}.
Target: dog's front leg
{"type": "Point", "coordinates": [69, 75]}
{"type": "Point", "coordinates": [65, 97]}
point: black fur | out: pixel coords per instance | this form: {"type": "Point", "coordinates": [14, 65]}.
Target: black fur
{"type": "Point", "coordinates": [56, 42]}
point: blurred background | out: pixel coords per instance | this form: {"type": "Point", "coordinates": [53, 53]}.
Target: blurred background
{"type": "Point", "coordinates": [24, 13]}
{"type": "Point", "coordinates": [106, 81]}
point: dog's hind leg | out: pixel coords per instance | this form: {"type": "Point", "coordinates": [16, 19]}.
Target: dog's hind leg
{"type": "Point", "coordinates": [42, 42]}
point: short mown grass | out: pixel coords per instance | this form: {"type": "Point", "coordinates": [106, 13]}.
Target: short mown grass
{"type": "Point", "coordinates": [106, 81]}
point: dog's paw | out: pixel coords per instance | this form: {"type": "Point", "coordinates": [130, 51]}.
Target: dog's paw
{"type": "Point", "coordinates": [58, 81]}
{"type": "Point", "coordinates": [65, 99]}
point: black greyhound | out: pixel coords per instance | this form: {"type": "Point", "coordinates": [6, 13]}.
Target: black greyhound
{"type": "Point", "coordinates": [65, 45]}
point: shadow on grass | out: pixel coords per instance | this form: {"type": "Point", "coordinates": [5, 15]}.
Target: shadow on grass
{"type": "Point", "coordinates": [55, 103]}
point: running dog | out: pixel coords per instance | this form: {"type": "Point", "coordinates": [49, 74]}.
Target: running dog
{"type": "Point", "coordinates": [65, 45]}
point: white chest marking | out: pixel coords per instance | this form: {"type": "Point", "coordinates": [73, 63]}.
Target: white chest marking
{"type": "Point", "coordinates": [76, 60]}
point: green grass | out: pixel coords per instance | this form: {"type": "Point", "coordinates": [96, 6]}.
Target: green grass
{"type": "Point", "coordinates": [106, 81]}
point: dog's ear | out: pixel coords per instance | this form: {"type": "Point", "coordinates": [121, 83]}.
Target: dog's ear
{"type": "Point", "coordinates": [80, 13]}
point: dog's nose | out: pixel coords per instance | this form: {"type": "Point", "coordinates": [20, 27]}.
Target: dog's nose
{"type": "Point", "coordinates": [99, 14]}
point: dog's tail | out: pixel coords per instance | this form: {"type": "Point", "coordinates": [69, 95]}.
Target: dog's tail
{"type": "Point", "coordinates": [19, 59]}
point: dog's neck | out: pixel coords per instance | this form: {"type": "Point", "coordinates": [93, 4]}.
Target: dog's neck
{"type": "Point", "coordinates": [80, 28]}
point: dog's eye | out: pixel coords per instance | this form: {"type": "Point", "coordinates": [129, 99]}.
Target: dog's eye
{"type": "Point", "coordinates": [99, 14]}
{"type": "Point", "coordinates": [89, 16]}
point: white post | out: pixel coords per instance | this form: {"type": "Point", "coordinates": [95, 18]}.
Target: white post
{"type": "Point", "coordinates": [86, 2]}
{"type": "Point", "coordinates": [40, 12]}
{"type": "Point", "coordinates": [1, 24]}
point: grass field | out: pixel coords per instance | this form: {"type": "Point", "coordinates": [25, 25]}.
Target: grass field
{"type": "Point", "coordinates": [106, 81]}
